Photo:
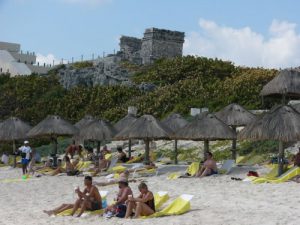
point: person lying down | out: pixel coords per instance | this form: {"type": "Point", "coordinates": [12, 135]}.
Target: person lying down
{"type": "Point", "coordinates": [111, 181]}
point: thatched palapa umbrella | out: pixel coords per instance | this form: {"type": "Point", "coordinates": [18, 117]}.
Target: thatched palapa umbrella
{"type": "Point", "coordinates": [86, 120]}
{"type": "Point", "coordinates": [285, 84]}
{"type": "Point", "coordinates": [13, 129]}
{"type": "Point", "coordinates": [99, 130]}
{"type": "Point", "coordinates": [146, 128]}
{"type": "Point", "coordinates": [123, 124]}
{"type": "Point", "coordinates": [235, 116]}
{"type": "Point", "coordinates": [206, 127]}
{"type": "Point", "coordinates": [282, 124]}
{"type": "Point", "coordinates": [175, 122]}
{"type": "Point", "coordinates": [53, 126]}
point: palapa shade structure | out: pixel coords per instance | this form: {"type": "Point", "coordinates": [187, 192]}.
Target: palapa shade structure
{"type": "Point", "coordinates": [13, 129]}
{"type": "Point", "coordinates": [205, 128]}
{"type": "Point", "coordinates": [99, 130]}
{"type": "Point", "coordinates": [53, 126]}
{"type": "Point", "coordinates": [86, 120]}
{"type": "Point", "coordinates": [285, 84]}
{"type": "Point", "coordinates": [282, 123]}
{"type": "Point", "coordinates": [297, 107]}
{"type": "Point", "coordinates": [146, 128]}
{"type": "Point", "coordinates": [123, 124]}
{"type": "Point", "coordinates": [235, 116]}
{"type": "Point", "coordinates": [175, 122]}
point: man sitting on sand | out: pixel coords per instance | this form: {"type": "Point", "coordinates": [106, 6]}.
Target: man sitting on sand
{"type": "Point", "coordinates": [122, 158]}
{"type": "Point", "coordinates": [143, 205]}
{"type": "Point", "coordinates": [209, 167]}
{"type": "Point", "coordinates": [122, 197]}
{"type": "Point", "coordinates": [89, 199]}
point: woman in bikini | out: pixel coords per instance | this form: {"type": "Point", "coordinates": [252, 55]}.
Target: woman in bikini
{"type": "Point", "coordinates": [143, 205]}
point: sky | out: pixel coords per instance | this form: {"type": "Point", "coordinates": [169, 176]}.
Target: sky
{"type": "Point", "coordinates": [256, 33]}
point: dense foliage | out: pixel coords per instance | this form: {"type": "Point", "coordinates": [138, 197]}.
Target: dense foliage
{"type": "Point", "coordinates": [182, 83]}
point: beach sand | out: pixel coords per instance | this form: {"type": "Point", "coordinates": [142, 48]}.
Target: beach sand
{"type": "Point", "coordinates": [217, 200]}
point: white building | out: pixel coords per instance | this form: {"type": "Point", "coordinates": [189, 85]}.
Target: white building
{"type": "Point", "coordinates": [15, 62]}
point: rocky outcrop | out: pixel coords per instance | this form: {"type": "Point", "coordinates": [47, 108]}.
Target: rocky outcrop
{"type": "Point", "coordinates": [105, 71]}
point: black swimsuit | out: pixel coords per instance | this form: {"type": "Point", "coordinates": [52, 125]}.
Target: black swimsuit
{"type": "Point", "coordinates": [151, 204]}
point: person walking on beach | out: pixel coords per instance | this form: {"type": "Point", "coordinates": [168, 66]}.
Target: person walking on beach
{"type": "Point", "coordinates": [143, 205]}
{"type": "Point", "coordinates": [25, 154]}
{"type": "Point", "coordinates": [88, 199]}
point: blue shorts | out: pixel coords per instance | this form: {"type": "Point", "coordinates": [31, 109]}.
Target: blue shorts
{"type": "Point", "coordinates": [212, 173]}
{"type": "Point", "coordinates": [25, 161]}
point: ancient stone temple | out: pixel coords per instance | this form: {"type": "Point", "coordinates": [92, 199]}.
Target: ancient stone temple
{"type": "Point", "coordinates": [155, 44]}
{"type": "Point", "coordinates": [158, 43]}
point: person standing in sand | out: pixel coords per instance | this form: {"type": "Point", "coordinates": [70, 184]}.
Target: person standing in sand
{"type": "Point", "coordinates": [209, 167]}
{"type": "Point", "coordinates": [25, 154]}
{"type": "Point", "coordinates": [143, 205]}
{"type": "Point", "coordinates": [88, 199]}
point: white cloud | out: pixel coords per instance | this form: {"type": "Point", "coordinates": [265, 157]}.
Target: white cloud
{"type": "Point", "coordinates": [48, 59]}
{"type": "Point", "coordinates": [244, 46]}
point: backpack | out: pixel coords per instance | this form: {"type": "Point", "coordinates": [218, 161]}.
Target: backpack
{"type": "Point", "coordinates": [121, 211]}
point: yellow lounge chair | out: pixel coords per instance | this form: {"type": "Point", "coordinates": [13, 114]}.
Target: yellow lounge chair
{"type": "Point", "coordinates": [192, 169]}
{"type": "Point", "coordinates": [160, 198]}
{"type": "Point", "coordinates": [291, 173]}
{"type": "Point", "coordinates": [179, 206]}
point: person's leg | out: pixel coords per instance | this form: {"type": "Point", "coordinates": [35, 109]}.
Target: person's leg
{"type": "Point", "coordinates": [59, 209]}
{"type": "Point", "coordinates": [23, 168]}
{"type": "Point", "coordinates": [129, 210]}
{"type": "Point", "coordinates": [26, 168]}
{"type": "Point", "coordinates": [76, 206]}
{"type": "Point", "coordinates": [84, 205]}
{"type": "Point", "coordinates": [142, 210]}
{"type": "Point", "coordinates": [206, 172]}
{"type": "Point", "coordinates": [63, 208]}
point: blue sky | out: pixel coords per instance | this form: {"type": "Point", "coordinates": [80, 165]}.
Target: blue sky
{"type": "Point", "coordinates": [247, 32]}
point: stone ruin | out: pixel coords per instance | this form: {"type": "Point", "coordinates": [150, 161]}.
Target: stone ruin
{"type": "Point", "coordinates": [155, 44]}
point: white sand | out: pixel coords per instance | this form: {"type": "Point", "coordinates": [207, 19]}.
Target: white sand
{"type": "Point", "coordinates": [217, 200]}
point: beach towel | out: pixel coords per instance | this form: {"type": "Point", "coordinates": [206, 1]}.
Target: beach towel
{"type": "Point", "coordinates": [179, 206]}
{"type": "Point", "coordinates": [96, 212]}
{"type": "Point", "coordinates": [83, 165]}
{"type": "Point", "coordinates": [118, 169]}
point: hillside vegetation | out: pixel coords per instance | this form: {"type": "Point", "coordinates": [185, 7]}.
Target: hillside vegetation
{"type": "Point", "coordinates": [182, 83]}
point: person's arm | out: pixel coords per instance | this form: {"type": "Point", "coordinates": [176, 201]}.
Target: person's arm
{"type": "Point", "coordinates": [122, 198]}
{"type": "Point", "coordinates": [149, 196]}
{"type": "Point", "coordinates": [80, 193]}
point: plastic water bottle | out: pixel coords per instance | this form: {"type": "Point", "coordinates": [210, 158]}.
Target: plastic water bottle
{"type": "Point", "coordinates": [104, 203]}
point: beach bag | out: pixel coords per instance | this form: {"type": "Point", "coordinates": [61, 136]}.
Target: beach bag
{"type": "Point", "coordinates": [121, 211]}
{"type": "Point", "coordinates": [252, 174]}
